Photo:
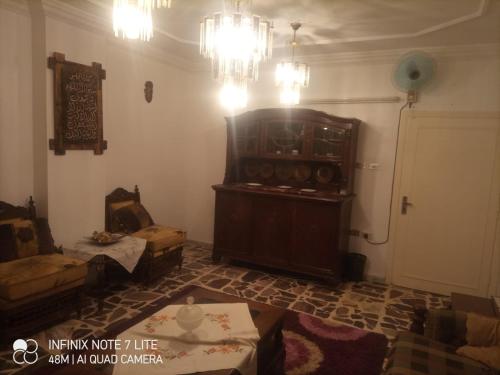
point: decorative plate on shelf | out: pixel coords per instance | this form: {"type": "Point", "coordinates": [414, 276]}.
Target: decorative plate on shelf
{"type": "Point", "coordinates": [266, 170]}
{"type": "Point", "coordinates": [302, 172]}
{"type": "Point", "coordinates": [251, 168]}
{"type": "Point", "coordinates": [284, 171]}
{"type": "Point", "coordinates": [106, 238]}
{"type": "Point", "coordinates": [253, 184]}
{"type": "Point", "coordinates": [324, 174]}
{"type": "Point", "coordinates": [308, 190]}
{"type": "Point", "coordinates": [284, 187]}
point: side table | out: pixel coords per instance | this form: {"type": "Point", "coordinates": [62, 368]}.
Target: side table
{"type": "Point", "coordinates": [127, 252]}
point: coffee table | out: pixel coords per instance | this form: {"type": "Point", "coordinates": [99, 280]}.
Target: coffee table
{"type": "Point", "coordinates": [268, 320]}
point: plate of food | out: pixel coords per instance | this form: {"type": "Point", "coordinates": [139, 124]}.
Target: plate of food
{"type": "Point", "coordinates": [106, 238]}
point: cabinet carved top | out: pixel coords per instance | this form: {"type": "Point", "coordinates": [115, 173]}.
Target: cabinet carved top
{"type": "Point", "coordinates": [303, 148]}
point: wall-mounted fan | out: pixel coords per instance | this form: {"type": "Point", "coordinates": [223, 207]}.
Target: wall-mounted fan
{"type": "Point", "coordinates": [414, 70]}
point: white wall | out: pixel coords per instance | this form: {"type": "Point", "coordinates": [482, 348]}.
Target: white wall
{"type": "Point", "coordinates": [144, 144]}
{"type": "Point", "coordinates": [143, 140]}
{"type": "Point", "coordinates": [16, 129]}
{"type": "Point", "coordinates": [174, 147]}
{"type": "Point", "coordinates": [461, 84]}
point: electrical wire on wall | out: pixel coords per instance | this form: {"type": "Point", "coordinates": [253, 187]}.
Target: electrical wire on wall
{"type": "Point", "coordinates": [407, 104]}
{"type": "Point", "coordinates": [414, 70]}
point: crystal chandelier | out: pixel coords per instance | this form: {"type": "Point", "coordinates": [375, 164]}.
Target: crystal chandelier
{"type": "Point", "coordinates": [233, 95]}
{"type": "Point", "coordinates": [132, 18]}
{"type": "Point", "coordinates": [235, 43]}
{"type": "Point", "coordinates": [291, 76]}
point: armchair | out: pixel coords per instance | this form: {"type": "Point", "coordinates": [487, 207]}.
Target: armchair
{"type": "Point", "coordinates": [124, 213]}
{"type": "Point", "coordinates": [431, 347]}
{"type": "Point", "coordinates": [38, 286]}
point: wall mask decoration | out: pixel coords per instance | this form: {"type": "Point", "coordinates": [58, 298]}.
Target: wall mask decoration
{"type": "Point", "coordinates": [78, 120]}
{"type": "Point", "coordinates": [148, 91]}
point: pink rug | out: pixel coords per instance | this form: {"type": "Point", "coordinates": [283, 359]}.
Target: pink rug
{"type": "Point", "coordinates": [319, 346]}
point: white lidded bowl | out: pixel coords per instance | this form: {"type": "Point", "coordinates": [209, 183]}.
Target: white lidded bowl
{"type": "Point", "coordinates": [190, 316]}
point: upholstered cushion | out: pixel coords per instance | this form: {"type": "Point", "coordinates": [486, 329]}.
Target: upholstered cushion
{"type": "Point", "coordinates": [7, 243]}
{"type": "Point", "coordinates": [132, 218]}
{"type": "Point", "coordinates": [45, 240]}
{"type": "Point", "coordinates": [160, 237]}
{"type": "Point", "coordinates": [414, 354]}
{"type": "Point", "coordinates": [10, 221]}
{"type": "Point", "coordinates": [117, 205]}
{"type": "Point", "coordinates": [28, 276]}
{"type": "Point", "coordinates": [482, 330]}
{"type": "Point", "coordinates": [6, 304]}
{"type": "Point", "coordinates": [446, 326]}
{"type": "Point", "coordinates": [26, 238]}
{"type": "Point", "coordinates": [13, 244]}
{"type": "Point", "coordinates": [489, 355]}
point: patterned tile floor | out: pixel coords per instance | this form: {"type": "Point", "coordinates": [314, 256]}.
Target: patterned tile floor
{"type": "Point", "coordinates": [371, 306]}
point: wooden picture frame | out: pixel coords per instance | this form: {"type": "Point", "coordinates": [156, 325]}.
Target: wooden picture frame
{"type": "Point", "coordinates": [78, 119]}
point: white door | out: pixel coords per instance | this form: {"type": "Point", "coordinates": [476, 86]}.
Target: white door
{"type": "Point", "coordinates": [449, 173]}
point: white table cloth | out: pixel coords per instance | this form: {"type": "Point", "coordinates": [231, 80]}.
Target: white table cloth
{"type": "Point", "coordinates": [127, 251]}
{"type": "Point", "coordinates": [227, 338]}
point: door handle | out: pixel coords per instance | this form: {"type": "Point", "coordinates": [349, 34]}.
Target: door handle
{"type": "Point", "coordinates": [405, 204]}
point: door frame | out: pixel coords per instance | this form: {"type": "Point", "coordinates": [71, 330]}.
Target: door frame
{"type": "Point", "coordinates": [406, 119]}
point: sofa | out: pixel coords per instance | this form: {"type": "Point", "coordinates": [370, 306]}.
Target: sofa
{"type": "Point", "coordinates": [39, 286]}
{"type": "Point", "coordinates": [124, 213]}
{"type": "Point", "coordinates": [449, 342]}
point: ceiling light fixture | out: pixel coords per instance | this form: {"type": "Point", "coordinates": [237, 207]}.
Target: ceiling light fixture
{"type": "Point", "coordinates": [133, 19]}
{"type": "Point", "coordinates": [291, 76]}
{"type": "Point", "coordinates": [233, 95]}
{"type": "Point", "coordinates": [235, 43]}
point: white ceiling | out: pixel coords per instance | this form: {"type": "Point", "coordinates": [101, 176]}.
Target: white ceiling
{"type": "Point", "coordinates": [333, 25]}
{"type": "Point", "coordinates": [327, 21]}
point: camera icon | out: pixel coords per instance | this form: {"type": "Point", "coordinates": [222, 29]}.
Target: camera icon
{"type": "Point", "coordinates": [25, 351]}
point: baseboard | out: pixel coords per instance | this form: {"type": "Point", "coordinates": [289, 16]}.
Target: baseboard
{"type": "Point", "coordinates": [375, 279]}
{"type": "Point", "coordinates": [205, 245]}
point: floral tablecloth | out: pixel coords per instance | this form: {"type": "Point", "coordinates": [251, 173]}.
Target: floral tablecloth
{"type": "Point", "coordinates": [227, 338]}
{"type": "Point", "coordinates": [127, 251]}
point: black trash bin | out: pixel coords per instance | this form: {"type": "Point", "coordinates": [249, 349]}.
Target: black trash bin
{"type": "Point", "coordinates": [355, 269]}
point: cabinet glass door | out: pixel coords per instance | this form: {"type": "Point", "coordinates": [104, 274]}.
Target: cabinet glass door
{"type": "Point", "coordinates": [246, 138]}
{"type": "Point", "coordinates": [284, 138]}
{"type": "Point", "coordinates": [328, 142]}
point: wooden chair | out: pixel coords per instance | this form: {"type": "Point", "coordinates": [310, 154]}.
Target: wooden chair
{"type": "Point", "coordinates": [157, 259]}
{"type": "Point", "coordinates": [29, 305]}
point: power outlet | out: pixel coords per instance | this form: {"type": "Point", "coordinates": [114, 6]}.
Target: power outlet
{"type": "Point", "coordinates": [358, 233]}
{"type": "Point", "coordinates": [360, 165]}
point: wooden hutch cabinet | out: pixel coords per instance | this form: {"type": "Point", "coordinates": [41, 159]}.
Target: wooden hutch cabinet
{"type": "Point", "coordinates": [287, 192]}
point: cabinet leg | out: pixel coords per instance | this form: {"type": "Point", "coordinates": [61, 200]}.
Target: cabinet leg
{"type": "Point", "coordinates": [216, 258]}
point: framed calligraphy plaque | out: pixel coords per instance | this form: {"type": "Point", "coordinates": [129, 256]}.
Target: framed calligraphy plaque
{"type": "Point", "coordinates": [77, 106]}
